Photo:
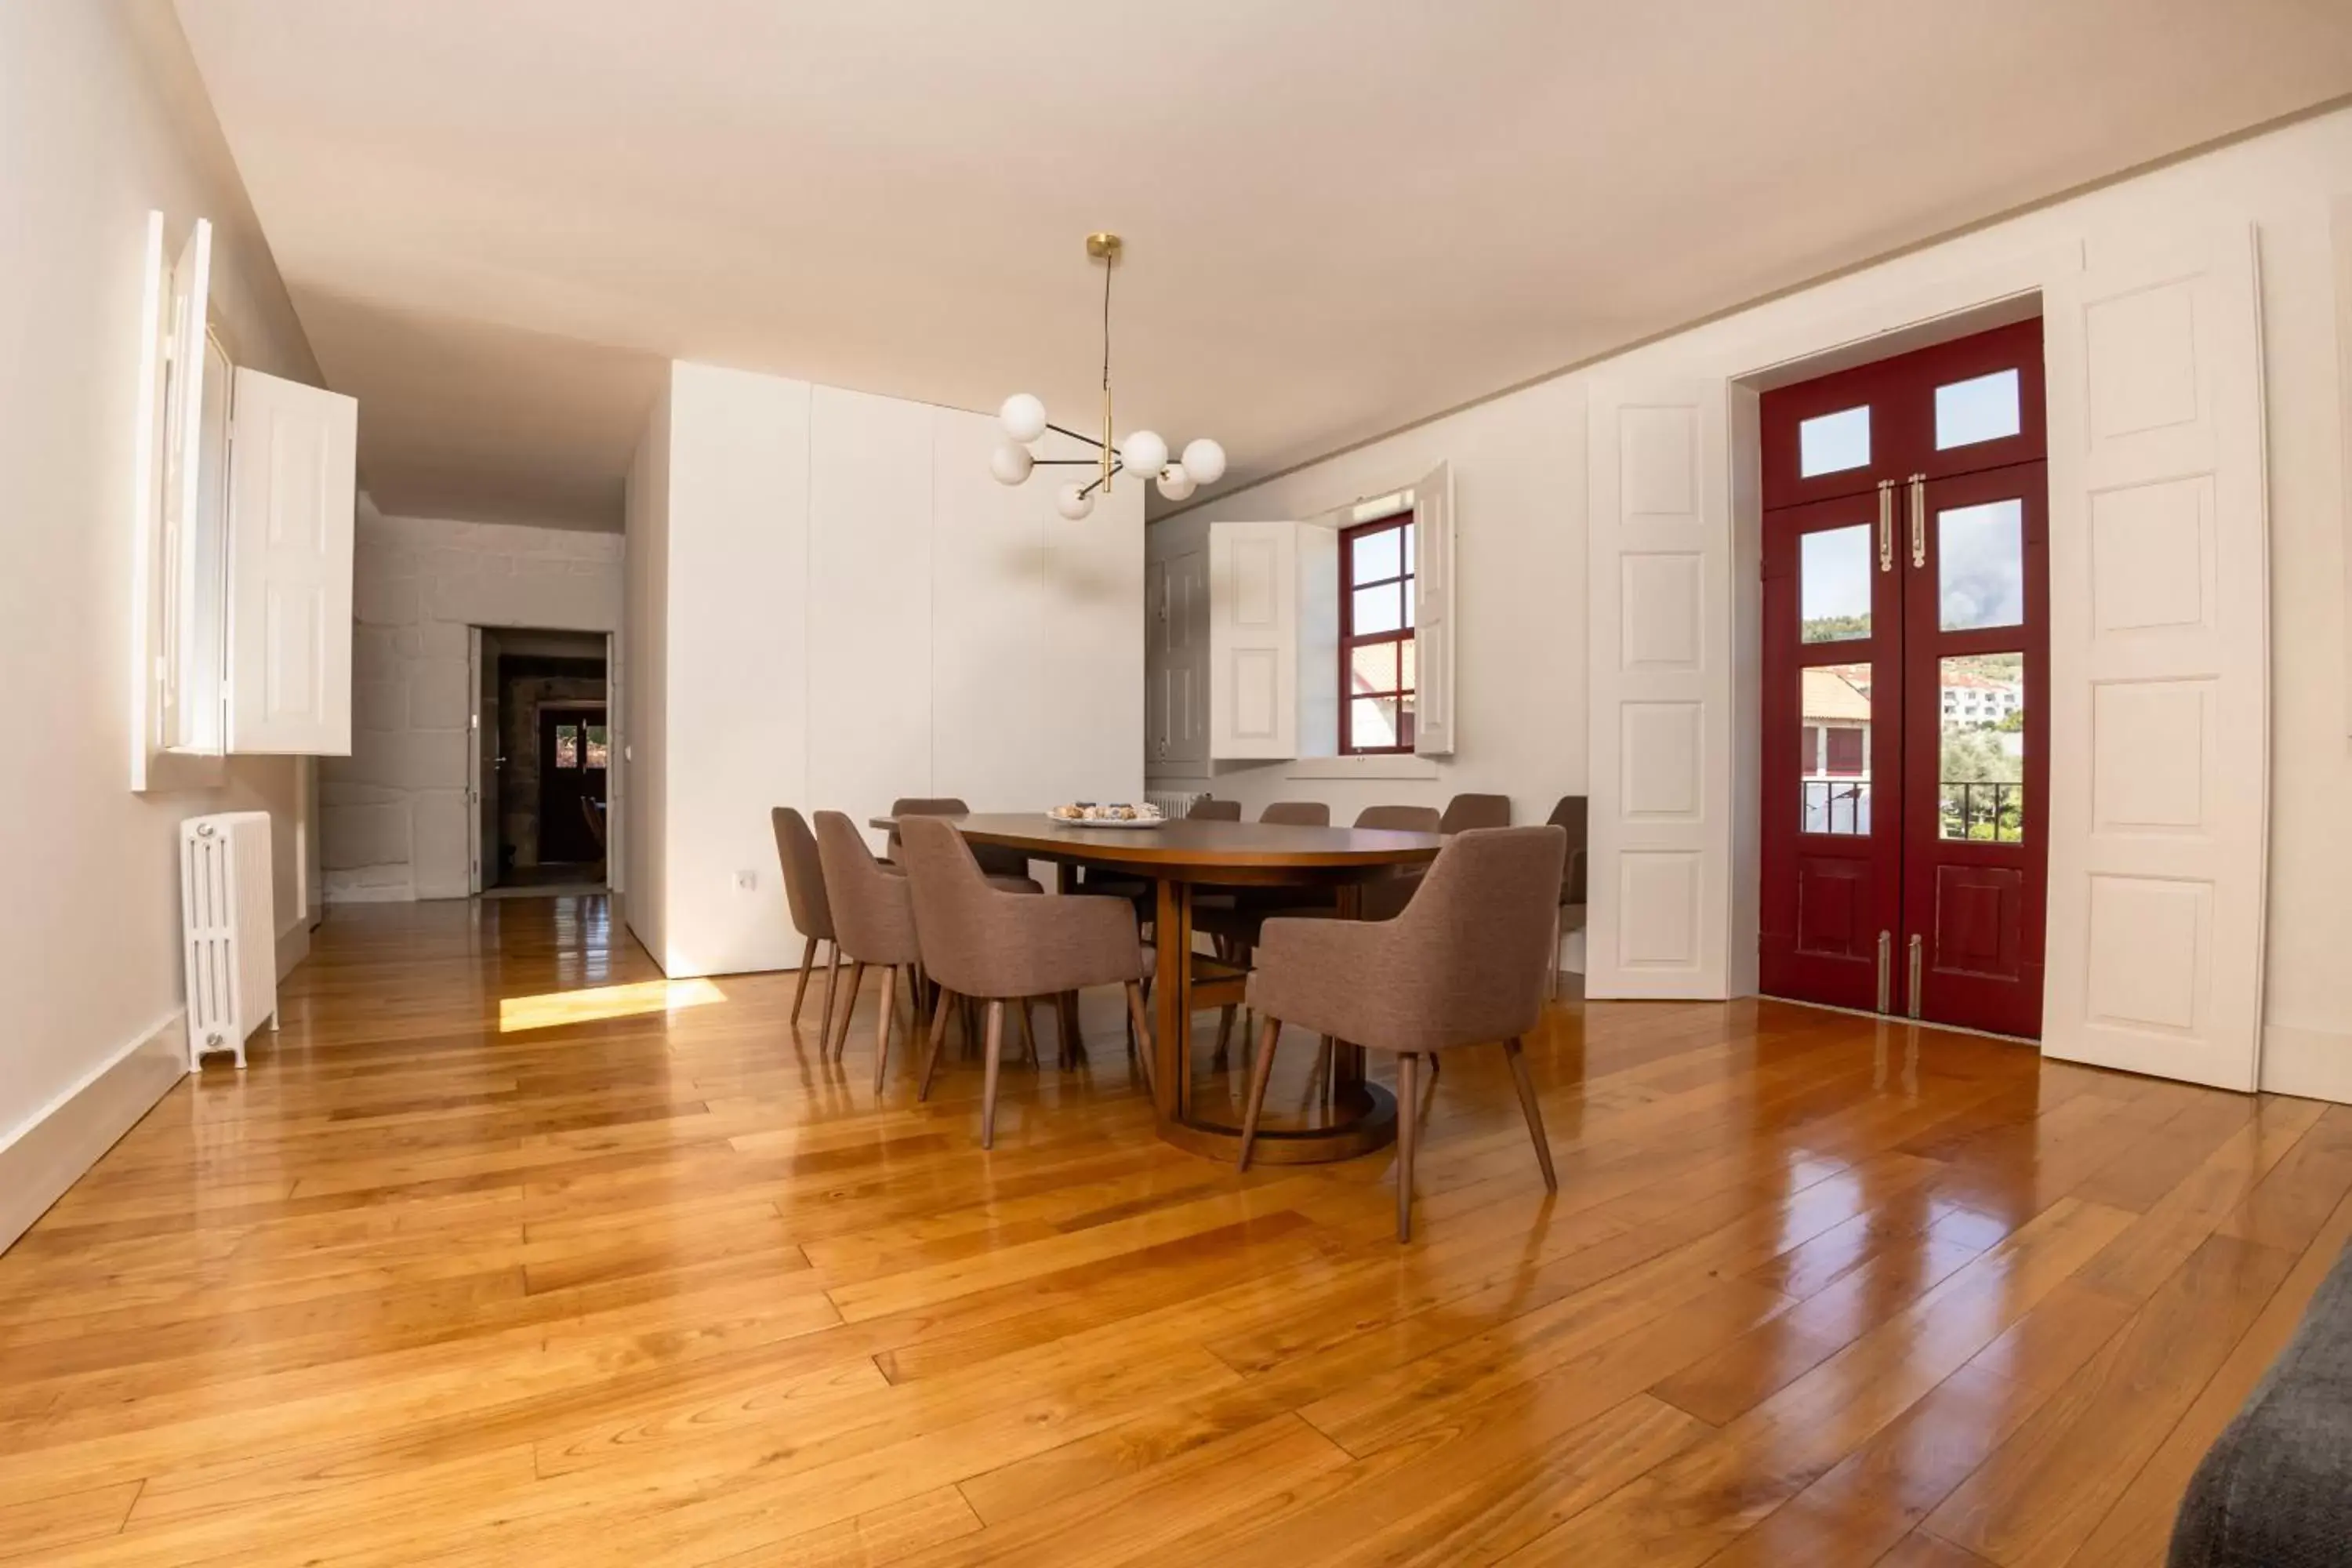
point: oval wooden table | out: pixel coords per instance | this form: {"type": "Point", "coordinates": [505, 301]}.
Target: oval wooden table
{"type": "Point", "coordinates": [1180, 858]}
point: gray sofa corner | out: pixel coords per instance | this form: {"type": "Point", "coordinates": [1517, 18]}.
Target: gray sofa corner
{"type": "Point", "coordinates": [2276, 1489]}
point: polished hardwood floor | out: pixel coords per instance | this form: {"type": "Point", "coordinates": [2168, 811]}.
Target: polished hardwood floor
{"type": "Point", "coordinates": [506, 1252]}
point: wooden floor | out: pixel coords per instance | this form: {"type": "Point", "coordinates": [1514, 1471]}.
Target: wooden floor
{"type": "Point", "coordinates": [475, 1265]}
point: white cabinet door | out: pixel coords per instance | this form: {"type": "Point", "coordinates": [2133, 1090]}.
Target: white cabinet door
{"type": "Point", "coordinates": [2159, 661]}
{"type": "Point", "coordinates": [1253, 640]}
{"type": "Point", "coordinates": [1659, 914]}
{"type": "Point", "coordinates": [1432, 613]}
{"type": "Point", "coordinates": [1177, 606]}
{"type": "Point", "coordinates": [292, 454]}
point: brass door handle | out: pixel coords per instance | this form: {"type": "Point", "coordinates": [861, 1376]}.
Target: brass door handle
{"type": "Point", "coordinates": [1886, 525]}
{"type": "Point", "coordinates": [1886, 967]}
{"type": "Point", "coordinates": [1918, 519]}
{"type": "Point", "coordinates": [1917, 949]}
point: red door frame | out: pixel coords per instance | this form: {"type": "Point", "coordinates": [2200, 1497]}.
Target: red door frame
{"type": "Point", "coordinates": [1826, 897]}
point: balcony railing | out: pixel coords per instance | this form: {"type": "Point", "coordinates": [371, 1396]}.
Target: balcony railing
{"type": "Point", "coordinates": [1992, 812]}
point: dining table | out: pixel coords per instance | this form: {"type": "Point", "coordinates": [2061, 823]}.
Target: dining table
{"type": "Point", "coordinates": [1182, 858]}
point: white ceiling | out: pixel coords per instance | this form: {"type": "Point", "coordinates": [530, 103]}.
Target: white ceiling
{"type": "Point", "coordinates": [497, 219]}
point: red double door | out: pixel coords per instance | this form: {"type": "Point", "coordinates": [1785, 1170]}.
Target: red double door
{"type": "Point", "coordinates": [1905, 748]}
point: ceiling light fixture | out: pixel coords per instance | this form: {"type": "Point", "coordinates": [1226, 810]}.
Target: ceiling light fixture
{"type": "Point", "coordinates": [1143, 451]}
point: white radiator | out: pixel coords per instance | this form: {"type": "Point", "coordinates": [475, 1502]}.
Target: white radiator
{"type": "Point", "coordinates": [227, 907]}
{"type": "Point", "coordinates": [1173, 803]}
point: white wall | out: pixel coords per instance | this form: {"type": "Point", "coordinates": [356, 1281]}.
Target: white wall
{"type": "Point", "coordinates": [103, 118]}
{"type": "Point", "coordinates": [839, 606]}
{"type": "Point", "coordinates": [394, 812]}
{"type": "Point", "coordinates": [1520, 477]}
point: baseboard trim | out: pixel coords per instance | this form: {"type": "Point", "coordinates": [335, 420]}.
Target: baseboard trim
{"type": "Point", "coordinates": [2314, 1064]}
{"type": "Point", "coordinates": [58, 1143]}
{"type": "Point", "coordinates": [293, 946]}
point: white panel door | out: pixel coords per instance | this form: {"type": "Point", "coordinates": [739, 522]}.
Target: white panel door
{"type": "Point", "coordinates": [1254, 639]}
{"type": "Point", "coordinates": [1432, 613]}
{"type": "Point", "coordinates": [1658, 919]}
{"type": "Point", "coordinates": [2159, 661]}
{"type": "Point", "coordinates": [291, 487]}
{"type": "Point", "coordinates": [1185, 660]}
{"type": "Point", "coordinates": [870, 588]}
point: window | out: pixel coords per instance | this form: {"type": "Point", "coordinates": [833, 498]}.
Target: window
{"type": "Point", "coordinates": [599, 753]}
{"type": "Point", "coordinates": [567, 745]}
{"type": "Point", "coordinates": [1834, 443]}
{"type": "Point", "coordinates": [1376, 636]}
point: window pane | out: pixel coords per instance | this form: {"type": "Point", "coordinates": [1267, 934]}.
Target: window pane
{"type": "Point", "coordinates": [1833, 757]}
{"type": "Point", "coordinates": [599, 753]}
{"type": "Point", "coordinates": [1379, 609]}
{"type": "Point", "coordinates": [1833, 443]}
{"type": "Point", "coordinates": [1407, 532]}
{"type": "Point", "coordinates": [1982, 782]}
{"type": "Point", "coordinates": [1372, 722]}
{"type": "Point", "coordinates": [1379, 555]}
{"type": "Point", "coordinates": [1372, 668]}
{"type": "Point", "coordinates": [1833, 583]}
{"type": "Point", "coordinates": [1983, 409]}
{"type": "Point", "coordinates": [1981, 565]}
{"type": "Point", "coordinates": [1409, 648]}
{"type": "Point", "coordinates": [567, 745]}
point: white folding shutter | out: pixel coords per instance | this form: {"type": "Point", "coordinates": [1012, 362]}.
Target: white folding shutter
{"type": "Point", "coordinates": [184, 434]}
{"type": "Point", "coordinates": [2159, 661]}
{"type": "Point", "coordinates": [1253, 639]}
{"type": "Point", "coordinates": [1432, 613]}
{"type": "Point", "coordinates": [291, 495]}
{"type": "Point", "coordinates": [1658, 916]}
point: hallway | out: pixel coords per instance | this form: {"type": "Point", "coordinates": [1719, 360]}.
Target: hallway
{"type": "Point", "coordinates": [506, 1250]}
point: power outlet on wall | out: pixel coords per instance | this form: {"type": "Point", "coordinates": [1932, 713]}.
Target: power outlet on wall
{"type": "Point", "coordinates": [747, 881]}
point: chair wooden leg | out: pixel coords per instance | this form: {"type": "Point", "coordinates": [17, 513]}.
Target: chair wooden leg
{"type": "Point", "coordinates": [1260, 1072]}
{"type": "Point", "coordinates": [1221, 1058]}
{"type": "Point", "coordinates": [1518, 1059]}
{"type": "Point", "coordinates": [1066, 1019]}
{"type": "Point", "coordinates": [800, 986]}
{"type": "Point", "coordinates": [988, 1086]}
{"type": "Point", "coordinates": [882, 1030]}
{"type": "Point", "coordinates": [1408, 1132]}
{"type": "Point", "coordinates": [931, 1051]}
{"type": "Point", "coordinates": [1138, 1027]}
{"type": "Point", "coordinates": [831, 980]}
{"type": "Point", "coordinates": [840, 1045]}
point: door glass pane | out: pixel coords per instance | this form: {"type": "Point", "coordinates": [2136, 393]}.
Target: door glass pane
{"type": "Point", "coordinates": [1372, 668]}
{"type": "Point", "coordinates": [1981, 565]}
{"type": "Point", "coordinates": [1834, 758]}
{"type": "Point", "coordinates": [1981, 784]}
{"type": "Point", "coordinates": [1372, 722]}
{"type": "Point", "coordinates": [567, 745]}
{"type": "Point", "coordinates": [599, 753]}
{"type": "Point", "coordinates": [1833, 583]}
{"type": "Point", "coordinates": [1379, 609]}
{"type": "Point", "coordinates": [1982, 409]}
{"type": "Point", "coordinates": [1833, 443]}
{"type": "Point", "coordinates": [1377, 555]}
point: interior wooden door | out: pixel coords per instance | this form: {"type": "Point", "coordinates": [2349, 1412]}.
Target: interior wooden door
{"type": "Point", "coordinates": [1906, 671]}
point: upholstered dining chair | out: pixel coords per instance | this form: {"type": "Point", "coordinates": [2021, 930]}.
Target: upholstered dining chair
{"type": "Point", "coordinates": [812, 913]}
{"type": "Point", "coordinates": [995, 860]}
{"type": "Point", "coordinates": [1386, 897]}
{"type": "Point", "coordinates": [1208, 808]}
{"type": "Point", "coordinates": [1464, 812]}
{"type": "Point", "coordinates": [1464, 964]}
{"type": "Point", "coordinates": [983, 942]}
{"type": "Point", "coordinates": [1297, 814]}
{"type": "Point", "coordinates": [1569, 816]}
{"type": "Point", "coordinates": [874, 922]}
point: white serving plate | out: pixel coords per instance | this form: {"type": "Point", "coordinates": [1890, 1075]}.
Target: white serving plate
{"type": "Point", "coordinates": [1108, 824]}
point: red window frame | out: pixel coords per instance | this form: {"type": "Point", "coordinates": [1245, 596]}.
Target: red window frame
{"type": "Point", "coordinates": [1399, 523]}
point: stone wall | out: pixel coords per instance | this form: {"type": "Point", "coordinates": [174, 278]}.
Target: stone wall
{"type": "Point", "coordinates": [393, 814]}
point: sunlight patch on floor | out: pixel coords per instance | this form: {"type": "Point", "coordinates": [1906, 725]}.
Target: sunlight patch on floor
{"type": "Point", "coordinates": [553, 1009]}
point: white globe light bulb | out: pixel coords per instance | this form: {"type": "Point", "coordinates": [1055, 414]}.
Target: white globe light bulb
{"type": "Point", "coordinates": [1023, 416]}
{"type": "Point", "coordinates": [1073, 502]}
{"type": "Point", "coordinates": [1205, 461]}
{"type": "Point", "coordinates": [1010, 464]}
{"type": "Point", "coordinates": [1143, 452]}
{"type": "Point", "coordinates": [1176, 481]}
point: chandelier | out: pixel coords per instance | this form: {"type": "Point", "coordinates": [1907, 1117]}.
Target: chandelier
{"type": "Point", "coordinates": [1143, 451]}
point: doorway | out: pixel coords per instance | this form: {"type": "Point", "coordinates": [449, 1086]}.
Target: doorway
{"type": "Point", "coordinates": [542, 763]}
{"type": "Point", "coordinates": [1906, 627]}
